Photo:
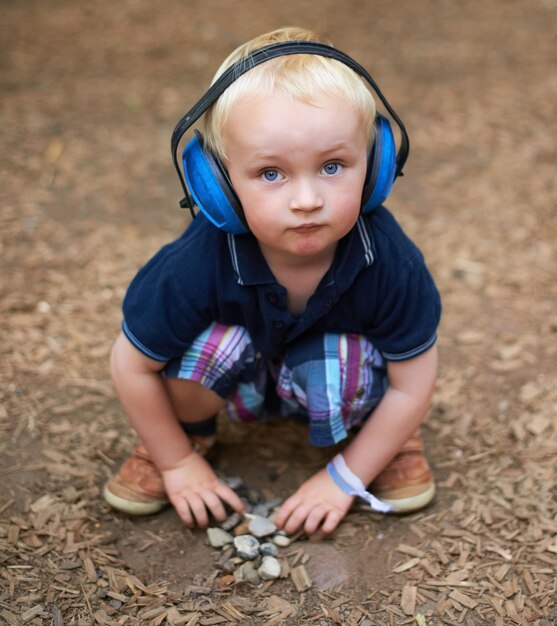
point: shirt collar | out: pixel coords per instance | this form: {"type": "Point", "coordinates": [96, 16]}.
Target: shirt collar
{"type": "Point", "coordinates": [355, 252]}
{"type": "Point", "coordinates": [250, 266]}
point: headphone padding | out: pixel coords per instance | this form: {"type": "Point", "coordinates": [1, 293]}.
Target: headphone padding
{"type": "Point", "coordinates": [210, 189]}
{"type": "Point", "coordinates": [382, 166]}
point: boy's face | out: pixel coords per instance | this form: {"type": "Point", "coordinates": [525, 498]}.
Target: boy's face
{"type": "Point", "coordinates": [299, 171]}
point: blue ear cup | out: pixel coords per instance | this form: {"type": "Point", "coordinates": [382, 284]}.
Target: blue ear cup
{"type": "Point", "coordinates": [211, 189]}
{"type": "Point", "coordinates": [381, 166]}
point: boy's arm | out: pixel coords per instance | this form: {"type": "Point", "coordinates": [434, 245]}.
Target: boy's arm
{"type": "Point", "coordinates": [318, 501]}
{"type": "Point", "coordinates": [402, 409]}
{"type": "Point", "coordinates": [191, 484]}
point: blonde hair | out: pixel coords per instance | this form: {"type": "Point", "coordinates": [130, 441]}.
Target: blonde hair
{"type": "Point", "coordinates": [300, 75]}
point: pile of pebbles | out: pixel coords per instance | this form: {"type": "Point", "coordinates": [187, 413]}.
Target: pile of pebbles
{"type": "Point", "coordinates": [250, 543]}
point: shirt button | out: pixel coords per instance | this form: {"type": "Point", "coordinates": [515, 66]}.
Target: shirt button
{"type": "Point", "coordinates": [272, 297]}
{"type": "Point", "coordinates": [278, 325]}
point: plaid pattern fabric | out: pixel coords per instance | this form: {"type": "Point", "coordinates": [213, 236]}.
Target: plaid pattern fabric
{"type": "Point", "coordinates": [333, 381]}
{"type": "Point", "coordinates": [336, 380]}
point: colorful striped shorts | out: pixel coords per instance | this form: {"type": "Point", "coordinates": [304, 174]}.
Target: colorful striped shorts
{"type": "Point", "coordinates": [331, 381]}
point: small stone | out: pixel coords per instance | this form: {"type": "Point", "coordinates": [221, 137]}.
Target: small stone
{"type": "Point", "coordinates": [229, 566]}
{"type": "Point", "coordinates": [270, 568]}
{"type": "Point", "coordinates": [253, 496]}
{"type": "Point", "coordinates": [282, 541]}
{"type": "Point", "coordinates": [264, 508]}
{"type": "Point", "coordinates": [218, 537]}
{"type": "Point", "coordinates": [274, 506]}
{"type": "Point", "coordinates": [234, 482]}
{"type": "Point", "coordinates": [247, 572]}
{"type": "Point", "coordinates": [232, 521]}
{"type": "Point", "coordinates": [261, 526]}
{"type": "Point", "coordinates": [248, 506]}
{"type": "Point", "coordinates": [261, 509]}
{"type": "Point", "coordinates": [268, 549]}
{"type": "Point", "coordinates": [242, 528]}
{"type": "Point", "coordinates": [227, 554]}
{"type": "Point", "coordinates": [247, 547]}
{"type": "Point", "coordinates": [116, 604]}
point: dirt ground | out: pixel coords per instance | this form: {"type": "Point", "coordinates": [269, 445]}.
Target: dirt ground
{"type": "Point", "coordinates": [90, 94]}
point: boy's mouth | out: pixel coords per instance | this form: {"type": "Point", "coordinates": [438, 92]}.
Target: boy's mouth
{"type": "Point", "coordinates": [307, 228]}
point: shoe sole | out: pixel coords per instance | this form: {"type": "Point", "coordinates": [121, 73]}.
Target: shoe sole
{"type": "Point", "coordinates": [133, 508]}
{"type": "Point", "coordinates": [413, 503]}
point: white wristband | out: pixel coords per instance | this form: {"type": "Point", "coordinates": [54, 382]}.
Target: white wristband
{"type": "Point", "coordinates": [350, 484]}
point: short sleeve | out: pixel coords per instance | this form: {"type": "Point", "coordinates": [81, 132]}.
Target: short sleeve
{"type": "Point", "coordinates": [158, 318]}
{"type": "Point", "coordinates": [407, 311]}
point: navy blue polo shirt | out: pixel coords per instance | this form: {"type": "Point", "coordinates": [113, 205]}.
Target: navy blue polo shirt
{"type": "Point", "coordinates": [378, 285]}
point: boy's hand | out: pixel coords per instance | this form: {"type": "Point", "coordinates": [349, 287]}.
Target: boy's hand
{"type": "Point", "coordinates": [194, 490]}
{"type": "Point", "coordinates": [318, 502]}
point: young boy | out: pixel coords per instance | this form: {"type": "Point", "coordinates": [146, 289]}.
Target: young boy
{"type": "Point", "coordinates": [329, 309]}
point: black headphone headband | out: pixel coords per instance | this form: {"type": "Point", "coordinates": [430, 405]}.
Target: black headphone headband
{"type": "Point", "coordinates": [262, 55]}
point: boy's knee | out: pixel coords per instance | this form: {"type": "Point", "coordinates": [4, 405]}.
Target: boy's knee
{"type": "Point", "coordinates": [191, 400]}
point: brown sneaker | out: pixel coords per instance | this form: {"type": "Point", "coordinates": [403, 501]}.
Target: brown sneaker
{"type": "Point", "coordinates": [138, 488]}
{"type": "Point", "coordinates": [406, 483]}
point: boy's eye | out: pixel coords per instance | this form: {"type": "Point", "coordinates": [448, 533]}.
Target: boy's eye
{"type": "Point", "coordinates": [331, 168]}
{"type": "Point", "coordinates": [271, 175]}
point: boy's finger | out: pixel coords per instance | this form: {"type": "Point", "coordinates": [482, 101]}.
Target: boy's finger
{"type": "Point", "coordinates": [285, 510]}
{"type": "Point", "coordinates": [332, 520]}
{"type": "Point", "coordinates": [183, 510]}
{"type": "Point", "coordinates": [230, 497]}
{"type": "Point", "coordinates": [314, 518]}
{"type": "Point", "coordinates": [214, 504]}
{"type": "Point", "coordinates": [296, 519]}
{"type": "Point", "coordinates": [199, 510]}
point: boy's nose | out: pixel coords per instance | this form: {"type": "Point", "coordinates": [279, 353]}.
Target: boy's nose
{"type": "Point", "coordinates": [306, 196]}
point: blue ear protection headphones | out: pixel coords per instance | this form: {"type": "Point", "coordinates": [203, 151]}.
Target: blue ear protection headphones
{"type": "Point", "coordinates": [207, 183]}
